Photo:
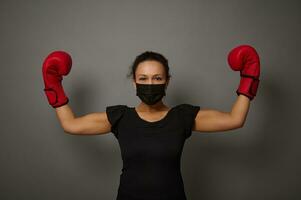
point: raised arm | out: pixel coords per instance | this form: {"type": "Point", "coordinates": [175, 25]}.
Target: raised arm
{"type": "Point", "coordinates": [90, 124]}
{"type": "Point", "coordinates": [245, 59]}
{"type": "Point", "coordinates": [208, 120]}
{"type": "Point", "coordinates": [56, 65]}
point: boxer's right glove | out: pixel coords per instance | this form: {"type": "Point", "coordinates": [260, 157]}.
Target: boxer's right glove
{"type": "Point", "coordinates": [245, 59]}
{"type": "Point", "coordinates": [55, 65]}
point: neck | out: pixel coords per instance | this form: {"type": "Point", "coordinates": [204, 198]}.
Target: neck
{"type": "Point", "coordinates": [151, 108]}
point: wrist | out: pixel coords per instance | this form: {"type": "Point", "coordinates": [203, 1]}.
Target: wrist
{"type": "Point", "coordinates": [248, 86]}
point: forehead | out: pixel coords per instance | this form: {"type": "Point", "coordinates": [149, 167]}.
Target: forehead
{"type": "Point", "coordinates": [150, 67]}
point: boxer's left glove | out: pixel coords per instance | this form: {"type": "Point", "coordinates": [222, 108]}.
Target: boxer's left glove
{"type": "Point", "coordinates": [245, 59]}
{"type": "Point", "coordinates": [56, 65]}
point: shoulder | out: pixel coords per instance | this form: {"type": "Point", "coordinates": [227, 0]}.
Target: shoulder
{"type": "Point", "coordinates": [188, 113]}
{"type": "Point", "coordinates": [115, 112]}
{"type": "Point", "coordinates": [119, 107]}
{"type": "Point", "coordinates": [187, 108]}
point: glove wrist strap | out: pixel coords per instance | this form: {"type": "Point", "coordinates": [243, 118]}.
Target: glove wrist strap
{"type": "Point", "coordinates": [248, 86]}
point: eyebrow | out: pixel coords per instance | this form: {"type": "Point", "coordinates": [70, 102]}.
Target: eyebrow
{"type": "Point", "coordinates": [146, 74]}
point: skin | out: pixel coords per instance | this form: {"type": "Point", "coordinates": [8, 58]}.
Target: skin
{"type": "Point", "coordinates": [152, 72]}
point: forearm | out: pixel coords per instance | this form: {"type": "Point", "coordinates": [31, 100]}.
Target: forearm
{"type": "Point", "coordinates": [240, 109]}
{"type": "Point", "coordinates": [65, 115]}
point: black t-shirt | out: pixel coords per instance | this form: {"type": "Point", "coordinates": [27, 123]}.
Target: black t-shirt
{"type": "Point", "coordinates": [151, 151]}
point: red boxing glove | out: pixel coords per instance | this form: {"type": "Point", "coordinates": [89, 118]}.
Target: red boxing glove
{"type": "Point", "coordinates": [56, 64]}
{"type": "Point", "coordinates": [245, 59]}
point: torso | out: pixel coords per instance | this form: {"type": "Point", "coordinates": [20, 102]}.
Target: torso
{"type": "Point", "coordinates": [151, 145]}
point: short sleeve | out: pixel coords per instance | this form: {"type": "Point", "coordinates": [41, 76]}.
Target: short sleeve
{"type": "Point", "coordinates": [188, 114]}
{"type": "Point", "coordinates": [114, 114]}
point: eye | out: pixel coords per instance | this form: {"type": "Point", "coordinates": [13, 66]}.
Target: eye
{"type": "Point", "coordinates": [157, 78]}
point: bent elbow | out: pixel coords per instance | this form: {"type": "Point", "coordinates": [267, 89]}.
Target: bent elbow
{"type": "Point", "coordinates": [69, 129]}
{"type": "Point", "coordinates": [71, 132]}
{"type": "Point", "coordinates": [240, 124]}
{"type": "Point", "coordinates": [237, 124]}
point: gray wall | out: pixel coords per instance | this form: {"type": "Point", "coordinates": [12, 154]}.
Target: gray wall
{"type": "Point", "coordinates": [259, 161]}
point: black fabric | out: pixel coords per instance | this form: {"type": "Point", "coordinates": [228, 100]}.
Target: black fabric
{"type": "Point", "coordinates": [151, 152]}
{"type": "Point", "coordinates": [189, 113]}
{"type": "Point", "coordinates": [114, 114]}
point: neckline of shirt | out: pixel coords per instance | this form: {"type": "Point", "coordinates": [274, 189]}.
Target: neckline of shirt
{"type": "Point", "coordinates": [149, 123]}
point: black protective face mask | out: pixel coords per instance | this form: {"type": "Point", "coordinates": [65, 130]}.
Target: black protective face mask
{"type": "Point", "coordinates": [150, 93]}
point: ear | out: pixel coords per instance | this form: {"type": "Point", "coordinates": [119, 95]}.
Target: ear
{"type": "Point", "coordinates": [134, 83]}
{"type": "Point", "coordinates": [167, 82]}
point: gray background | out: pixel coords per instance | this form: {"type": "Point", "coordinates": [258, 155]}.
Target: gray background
{"type": "Point", "coordinates": [259, 161]}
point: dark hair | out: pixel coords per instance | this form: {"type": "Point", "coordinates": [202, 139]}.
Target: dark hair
{"type": "Point", "coordinates": [149, 55]}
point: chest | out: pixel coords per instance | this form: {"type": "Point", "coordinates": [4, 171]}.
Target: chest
{"type": "Point", "coordinates": [161, 142]}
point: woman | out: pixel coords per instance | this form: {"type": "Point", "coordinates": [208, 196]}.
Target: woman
{"type": "Point", "coordinates": [152, 135]}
